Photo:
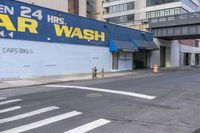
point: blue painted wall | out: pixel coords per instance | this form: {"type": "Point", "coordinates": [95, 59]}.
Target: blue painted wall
{"type": "Point", "coordinates": [46, 29]}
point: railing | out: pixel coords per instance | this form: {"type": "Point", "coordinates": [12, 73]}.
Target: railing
{"type": "Point", "coordinates": [109, 1]}
{"type": "Point", "coordinates": [176, 17]}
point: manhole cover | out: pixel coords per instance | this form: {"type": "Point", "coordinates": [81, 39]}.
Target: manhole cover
{"type": "Point", "coordinates": [94, 95]}
{"type": "Point", "coordinates": [197, 131]}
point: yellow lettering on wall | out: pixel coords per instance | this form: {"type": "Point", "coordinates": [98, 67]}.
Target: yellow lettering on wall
{"type": "Point", "coordinates": [77, 32]}
{"type": "Point", "coordinates": [88, 34]}
{"type": "Point", "coordinates": [6, 22]}
{"type": "Point", "coordinates": [26, 23]}
{"type": "Point", "coordinates": [99, 36]}
{"type": "Point", "coordinates": [65, 29]}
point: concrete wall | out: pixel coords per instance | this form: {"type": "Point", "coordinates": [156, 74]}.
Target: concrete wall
{"type": "Point", "coordinates": [60, 5]}
{"type": "Point", "coordinates": [95, 9]}
{"type": "Point", "coordinates": [175, 54]}
{"type": "Point", "coordinates": [43, 59]}
{"type": "Point", "coordinates": [156, 54]}
{"type": "Point", "coordinates": [192, 51]}
{"type": "Point", "coordinates": [125, 65]}
{"type": "Point", "coordinates": [154, 58]}
{"type": "Point", "coordinates": [73, 6]}
{"type": "Point", "coordinates": [83, 8]}
{"type": "Point", "coordinates": [168, 57]}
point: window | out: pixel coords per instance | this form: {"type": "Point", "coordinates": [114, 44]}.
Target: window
{"type": "Point", "coordinates": [172, 12]}
{"type": "Point", "coordinates": [162, 13]}
{"type": "Point", "coordinates": [130, 6]}
{"type": "Point", "coordinates": [148, 15]}
{"type": "Point", "coordinates": [165, 12]}
{"type": "Point", "coordinates": [130, 18]}
{"type": "Point", "coordinates": [122, 19]}
{"type": "Point", "coordinates": [121, 7]}
{"type": "Point", "coordinates": [159, 2]}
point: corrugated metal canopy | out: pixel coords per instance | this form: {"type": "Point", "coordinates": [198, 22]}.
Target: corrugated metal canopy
{"type": "Point", "coordinates": [116, 45]}
{"type": "Point", "coordinates": [147, 45]}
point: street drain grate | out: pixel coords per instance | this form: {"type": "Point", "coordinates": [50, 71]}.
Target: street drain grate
{"type": "Point", "coordinates": [197, 131]}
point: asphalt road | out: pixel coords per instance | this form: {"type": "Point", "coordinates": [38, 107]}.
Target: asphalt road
{"type": "Point", "coordinates": [163, 103]}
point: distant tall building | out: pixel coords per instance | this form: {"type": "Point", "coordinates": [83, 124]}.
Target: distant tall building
{"type": "Point", "coordinates": [95, 9]}
{"type": "Point", "coordinates": [78, 7]}
{"type": "Point", "coordinates": [126, 12]}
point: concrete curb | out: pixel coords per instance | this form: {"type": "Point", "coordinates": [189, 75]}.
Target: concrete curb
{"type": "Point", "coordinates": [57, 82]}
{"type": "Point", "coordinates": [87, 77]}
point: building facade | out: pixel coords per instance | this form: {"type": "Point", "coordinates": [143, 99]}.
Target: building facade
{"type": "Point", "coordinates": [78, 7]}
{"type": "Point", "coordinates": [86, 8]}
{"type": "Point", "coordinates": [37, 41]}
{"type": "Point", "coordinates": [134, 14]}
{"type": "Point", "coordinates": [126, 12]}
{"type": "Point", "coordinates": [95, 9]}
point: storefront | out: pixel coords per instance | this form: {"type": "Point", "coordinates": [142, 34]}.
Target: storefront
{"type": "Point", "coordinates": [142, 58]}
{"type": "Point", "coordinates": [37, 41]}
{"type": "Point", "coordinates": [122, 54]}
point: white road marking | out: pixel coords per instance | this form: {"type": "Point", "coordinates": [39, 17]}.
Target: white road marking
{"type": "Point", "coordinates": [10, 101]}
{"type": "Point", "coordinates": [107, 91]}
{"type": "Point", "coordinates": [42, 122]}
{"type": "Point", "coordinates": [29, 114]}
{"type": "Point", "coordinates": [2, 98]}
{"type": "Point", "coordinates": [90, 126]}
{"type": "Point", "coordinates": [10, 109]}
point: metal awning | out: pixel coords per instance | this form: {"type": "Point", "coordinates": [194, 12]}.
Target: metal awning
{"type": "Point", "coordinates": [145, 45]}
{"type": "Point", "coordinates": [126, 46]}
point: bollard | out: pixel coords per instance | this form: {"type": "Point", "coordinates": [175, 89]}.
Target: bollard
{"type": "Point", "coordinates": [94, 73]}
{"type": "Point", "coordinates": [155, 68]}
{"type": "Point", "coordinates": [102, 74]}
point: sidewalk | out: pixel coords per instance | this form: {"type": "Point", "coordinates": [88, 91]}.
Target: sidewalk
{"type": "Point", "coordinates": [34, 81]}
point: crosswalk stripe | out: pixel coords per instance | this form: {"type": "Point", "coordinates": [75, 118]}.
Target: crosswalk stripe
{"type": "Point", "coordinates": [42, 122]}
{"type": "Point", "coordinates": [10, 101]}
{"type": "Point", "coordinates": [29, 114]}
{"type": "Point", "coordinates": [2, 98]}
{"type": "Point", "coordinates": [10, 109]}
{"type": "Point", "coordinates": [90, 126]}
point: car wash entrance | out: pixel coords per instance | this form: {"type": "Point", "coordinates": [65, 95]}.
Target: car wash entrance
{"type": "Point", "coordinates": [142, 57]}
{"type": "Point", "coordinates": [141, 60]}
{"type": "Point", "coordinates": [129, 55]}
{"type": "Point", "coordinates": [122, 55]}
